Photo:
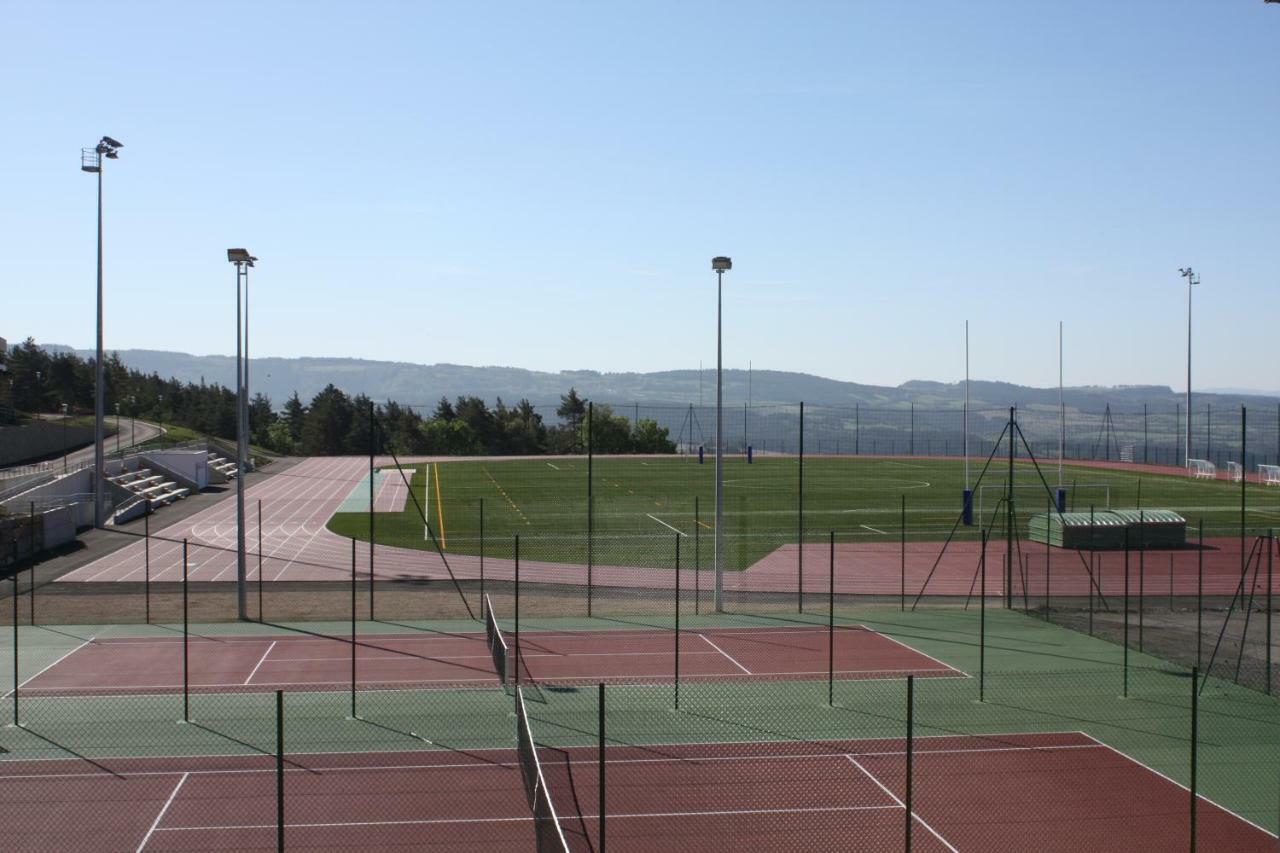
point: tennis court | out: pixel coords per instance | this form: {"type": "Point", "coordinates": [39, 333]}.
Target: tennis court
{"type": "Point", "coordinates": [1048, 791]}
{"type": "Point", "coordinates": [292, 662]}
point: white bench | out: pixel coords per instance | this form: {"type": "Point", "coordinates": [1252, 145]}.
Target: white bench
{"type": "Point", "coordinates": [1269, 475]}
{"type": "Point", "coordinates": [1235, 472]}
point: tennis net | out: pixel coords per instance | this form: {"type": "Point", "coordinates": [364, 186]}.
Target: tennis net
{"type": "Point", "coordinates": [497, 643]}
{"type": "Point", "coordinates": [550, 835]}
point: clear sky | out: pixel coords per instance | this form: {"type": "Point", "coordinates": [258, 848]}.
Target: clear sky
{"type": "Point", "coordinates": [543, 184]}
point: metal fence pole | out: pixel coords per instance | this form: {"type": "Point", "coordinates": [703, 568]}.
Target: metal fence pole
{"type": "Point", "coordinates": [146, 564]}
{"type": "Point", "coordinates": [800, 522]}
{"type": "Point", "coordinates": [600, 703]}
{"type": "Point", "coordinates": [15, 633]}
{"type": "Point", "coordinates": [902, 559]}
{"type": "Point", "coordinates": [31, 555]}
{"type": "Point", "coordinates": [911, 707]}
{"type": "Point", "coordinates": [186, 641]}
{"type": "Point", "coordinates": [1195, 740]}
{"type": "Point", "coordinates": [1271, 542]}
{"type": "Point", "coordinates": [1125, 691]}
{"type": "Point", "coordinates": [1142, 576]}
{"type": "Point", "coordinates": [677, 632]}
{"type": "Point", "coordinates": [482, 553]}
{"type": "Point", "coordinates": [372, 440]}
{"type": "Point", "coordinates": [591, 410]}
{"type": "Point", "coordinates": [516, 554]}
{"type": "Point", "coordinates": [831, 625]}
{"type": "Point", "coordinates": [259, 559]}
{"type": "Point", "coordinates": [1200, 593]}
{"type": "Point", "coordinates": [697, 558]}
{"type": "Point", "coordinates": [353, 628]}
{"type": "Point", "coordinates": [279, 770]}
{"type": "Point", "coordinates": [982, 618]}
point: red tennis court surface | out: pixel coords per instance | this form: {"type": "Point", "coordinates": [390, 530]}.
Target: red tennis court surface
{"type": "Point", "coordinates": [1044, 792]}
{"type": "Point", "coordinates": [320, 663]}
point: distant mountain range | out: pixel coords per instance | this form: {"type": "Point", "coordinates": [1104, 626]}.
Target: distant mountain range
{"type": "Point", "coordinates": [424, 384]}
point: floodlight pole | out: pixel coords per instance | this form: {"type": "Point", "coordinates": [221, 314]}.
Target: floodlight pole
{"type": "Point", "coordinates": [1192, 279]}
{"type": "Point", "coordinates": [720, 265]}
{"type": "Point", "coordinates": [243, 261]}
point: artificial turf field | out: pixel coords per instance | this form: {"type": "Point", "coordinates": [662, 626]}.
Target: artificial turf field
{"type": "Point", "coordinates": [640, 502]}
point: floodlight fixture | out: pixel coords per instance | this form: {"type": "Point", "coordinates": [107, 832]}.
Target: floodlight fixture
{"type": "Point", "coordinates": [111, 143]}
{"type": "Point", "coordinates": [240, 256]}
{"type": "Point", "coordinates": [721, 264]}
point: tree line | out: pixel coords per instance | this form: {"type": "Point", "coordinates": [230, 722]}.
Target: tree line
{"type": "Point", "coordinates": [333, 422]}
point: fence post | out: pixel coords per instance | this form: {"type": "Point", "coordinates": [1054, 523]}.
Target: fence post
{"type": "Point", "coordinates": [831, 625]}
{"type": "Point", "coordinates": [186, 642]}
{"type": "Point", "coordinates": [146, 563]}
{"type": "Point", "coordinates": [1125, 689]}
{"type": "Point", "coordinates": [591, 411]}
{"type": "Point", "coordinates": [982, 617]}
{"type": "Point", "coordinates": [15, 632]}
{"type": "Point", "coordinates": [1095, 568]}
{"type": "Point", "coordinates": [371, 498]}
{"type": "Point", "coordinates": [1195, 737]}
{"type": "Point", "coordinates": [482, 552]}
{"type": "Point", "coordinates": [516, 554]}
{"type": "Point", "coordinates": [800, 522]}
{"type": "Point", "coordinates": [911, 707]}
{"type": "Point", "coordinates": [259, 559]}
{"type": "Point", "coordinates": [677, 633]}
{"type": "Point", "coordinates": [1199, 592]}
{"type": "Point", "coordinates": [353, 628]}
{"type": "Point", "coordinates": [279, 770]}
{"type": "Point", "coordinates": [1142, 575]}
{"type": "Point", "coordinates": [697, 557]}
{"type": "Point", "coordinates": [600, 703]}
{"type": "Point", "coordinates": [31, 536]}
{"type": "Point", "coordinates": [1271, 543]}
{"type": "Point", "coordinates": [902, 559]}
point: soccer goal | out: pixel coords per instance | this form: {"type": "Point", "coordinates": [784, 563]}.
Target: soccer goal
{"type": "Point", "coordinates": [1235, 472]}
{"type": "Point", "coordinates": [1269, 475]}
{"type": "Point", "coordinates": [1202, 469]}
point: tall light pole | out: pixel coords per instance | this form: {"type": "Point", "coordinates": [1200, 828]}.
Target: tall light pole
{"type": "Point", "coordinates": [720, 265]}
{"type": "Point", "coordinates": [243, 262]}
{"type": "Point", "coordinates": [91, 161]}
{"type": "Point", "coordinates": [1192, 279]}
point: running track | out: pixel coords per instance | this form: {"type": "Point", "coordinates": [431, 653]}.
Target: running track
{"type": "Point", "coordinates": [1047, 792]}
{"type": "Point", "coordinates": [297, 546]}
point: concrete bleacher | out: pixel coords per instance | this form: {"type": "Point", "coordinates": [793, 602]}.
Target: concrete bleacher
{"type": "Point", "coordinates": [224, 466]}
{"type": "Point", "coordinates": [153, 488]}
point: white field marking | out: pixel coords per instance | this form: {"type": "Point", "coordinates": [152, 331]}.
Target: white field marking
{"type": "Point", "coordinates": [497, 765]}
{"type": "Point", "coordinates": [261, 660]}
{"type": "Point", "coordinates": [942, 664]}
{"type": "Point", "coordinates": [1094, 743]}
{"type": "Point", "coordinates": [1200, 797]}
{"type": "Point", "coordinates": [874, 529]}
{"type": "Point", "coordinates": [557, 467]}
{"type": "Point", "coordinates": [43, 670]}
{"type": "Point", "coordinates": [903, 464]}
{"type": "Point", "coordinates": [731, 658]}
{"type": "Point", "coordinates": [160, 816]}
{"type": "Point", "coordinates": [902, 805]}
{"type": "Point", "coordinates": [522, 819]}
{"type": "Point", "coordinates": [664, 524]}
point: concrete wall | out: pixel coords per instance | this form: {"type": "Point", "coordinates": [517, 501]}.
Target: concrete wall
{"type": "Point", "coordinates": [191, 465]}
{"type": "Point", "coordinates": [39, 439]}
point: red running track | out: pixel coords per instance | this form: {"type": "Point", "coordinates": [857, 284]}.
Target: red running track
{"type": "Point", "coordinates": [1044, 792]}
{"type": "Point", "coordinates": [388, 660]}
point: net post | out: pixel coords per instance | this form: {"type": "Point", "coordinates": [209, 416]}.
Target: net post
{"type": "Point", "coordinates": [591, 412]}
{"type": "Point", "coordinates": [911, 707]}
{"type": "Point", "coordinates": [1199, 592]}
{"type": "Point", "coordinates": [902, 559]}
{"type": "Point", "coordinates": [186, 643]}
{"type": "Point", "coordinates": [1125, 664]}
{"type": "Point", "coordinates": [1195, 737]}
{"type": "Point", "coordinates": [831, 625]}
{"type": "Point", "coordinates": [353, 627]}
{"type": "Point", "coordinates": [146, 564]}
{"type": "Point", "coordinates": [800, 521]}
{"type": "Point", "coordinates": [982, 618]}
{"type": "Point", "coordinates": [677, 632]}
{"type": "Point", "coordinates": [600, 704]}
{"type": "Point", "coordinates": [279, 770]}
{"type": "Point", "coordinates": [372, 440]}
{"type": "Point", "coordinates": [259, 560]}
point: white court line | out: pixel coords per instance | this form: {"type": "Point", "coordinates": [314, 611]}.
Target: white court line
{"type": "Point", "coordinates": [917, 651]}
{"type": "Point", "coordinates": [49, 667]}
{"type": "Point", "coordinates": [664, 524]}
{"type": "Point", "coordinates": [261, 660]}
{"type": "Point", "coordinates": [903, 805]}
{"type": "Point", "coordinates": [557, 467]}
{"type": "Point", "coordinates": [522, 818]}
{"type": "Point", "coordinates": [731, 658]}
{"type": "Point", "coordinates": [1200, 797]}
{"type": "Point", "coordinates": [874, 529]}
{"type": "Point", "coordinates": [167, 803]}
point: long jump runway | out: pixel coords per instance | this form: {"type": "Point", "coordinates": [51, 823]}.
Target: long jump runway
{"type": "Point", "coordinates": [290, 662]}
{"type": "Point", "coordinates": [1046, 791]}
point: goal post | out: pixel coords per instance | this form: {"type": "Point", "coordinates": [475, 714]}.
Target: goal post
{"type": "Point", "coordinates": [1269, 475]}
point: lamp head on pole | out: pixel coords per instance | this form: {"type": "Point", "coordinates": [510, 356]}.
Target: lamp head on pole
{"type": "Point", "coordinates": [1188, 273]}
{"type": "Point", "coordinates": [721, 264]}
{"type": "Point", "coordinates": [91, 158]}
{"type": "Point", "coordinates": [240, 256]}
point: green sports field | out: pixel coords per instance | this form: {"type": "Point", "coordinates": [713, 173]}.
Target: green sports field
{"type": "Point", "coordinates": [641, 503]}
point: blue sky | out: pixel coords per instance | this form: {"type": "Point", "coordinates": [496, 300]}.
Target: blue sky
{"type": "Point", "coordinates": [543, 185]}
